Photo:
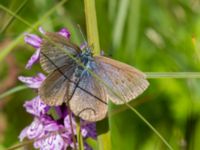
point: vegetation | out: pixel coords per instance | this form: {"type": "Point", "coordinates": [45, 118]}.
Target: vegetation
{"type": "Point", "coordinates": [154, 36]}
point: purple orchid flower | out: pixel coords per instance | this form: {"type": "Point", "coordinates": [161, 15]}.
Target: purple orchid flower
{"type": "Point", "coordinates": [47, 132]}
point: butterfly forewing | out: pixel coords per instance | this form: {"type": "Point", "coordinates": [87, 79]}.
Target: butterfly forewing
{"type": "Point", "coordinates": [54, 90]}
{"type": "Point", "coordinates": [89, 100]}
{"type": "Point", "coordinates": [125, 82]}
{"type": "Point", "coordinates": [56, 51]}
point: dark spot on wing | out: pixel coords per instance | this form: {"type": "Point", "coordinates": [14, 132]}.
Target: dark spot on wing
{"type": "Point", "coordinates": [85, 109]}
{"type": "Point", "coordinates": [116, 82]}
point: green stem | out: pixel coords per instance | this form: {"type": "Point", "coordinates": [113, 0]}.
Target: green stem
{"type": "Point", "coordinates": [13, 90]}
{"type": "Point", "coordinates": [177, 75]}
{"type": "Point", "coordinates": [91, 25]}
{"type": "Point", "coordinates": [93, 40]}
{"type": "Point", "coordinates": [79, 135]}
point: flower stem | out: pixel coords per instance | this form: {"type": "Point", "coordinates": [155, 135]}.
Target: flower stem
{"type": "Point", "coordinates": [72, 130]}
{"type": "Point", "coordinates": [91, 25]}
{"type": "Point", "coordinates": [79, 135]}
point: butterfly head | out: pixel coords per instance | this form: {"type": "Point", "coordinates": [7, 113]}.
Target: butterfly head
{"type": "Point", "coordinates": [87, 52]}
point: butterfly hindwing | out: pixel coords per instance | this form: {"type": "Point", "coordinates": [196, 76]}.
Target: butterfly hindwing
{"type": "Point", "coordinates": [89, 100]}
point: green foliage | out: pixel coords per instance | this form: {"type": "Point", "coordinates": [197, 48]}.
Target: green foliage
{"type": "Point", "coordinates": [154, 36]}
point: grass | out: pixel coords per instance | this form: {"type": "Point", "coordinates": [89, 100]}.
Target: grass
{"type": "Point", "coordinates": [156, 37]}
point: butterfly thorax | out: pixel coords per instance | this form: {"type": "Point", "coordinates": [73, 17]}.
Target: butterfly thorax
{"type": "Point", "coordinates": [86, 59]}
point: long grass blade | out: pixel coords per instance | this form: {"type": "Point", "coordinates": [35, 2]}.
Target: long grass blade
{"type": "Point", "coordinates": [21, 145]}
{"type": "Point", "coordinates": [150, 126]}
{"type": "Point", "coordinates": [112, 9]}
{"type": "Point", "coordinates": [133, 26]}
{"type": "Point", "coordinates": [178, 75]}
{"type": "Point", "coordinates": [15, 15]}
{"type": "Point", "coordinates": [120, 23]}
{"type": "Point", "coordinates": [11, 19]}
{"type": "Point", "coordinates": [13, 90]}
{"type": "Point", "coordinates": [5, 51]}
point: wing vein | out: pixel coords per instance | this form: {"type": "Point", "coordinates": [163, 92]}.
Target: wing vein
{"type": "Point", "coordinates": [60, 71]}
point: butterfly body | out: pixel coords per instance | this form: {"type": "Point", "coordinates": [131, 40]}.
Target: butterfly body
{"type": "Point", "coordinates": [85, 82]}
{"type": "Point", "coordinates": [85, 58]}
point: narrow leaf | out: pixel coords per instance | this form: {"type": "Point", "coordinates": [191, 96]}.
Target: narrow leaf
{"type": "Point", "coordinates": [12, 91]}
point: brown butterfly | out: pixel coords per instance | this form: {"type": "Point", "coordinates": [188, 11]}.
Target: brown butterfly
{"type": "Point", "coordinates": [77, 85]}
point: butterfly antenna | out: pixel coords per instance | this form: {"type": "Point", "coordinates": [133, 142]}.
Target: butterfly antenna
{"type": "Point", "coordinates": [83, 37]}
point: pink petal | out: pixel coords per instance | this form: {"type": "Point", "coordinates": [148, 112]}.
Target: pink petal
{"type": "Point", "coordinates": [68, 125]}
{"type": "Point", "coordinates": [36, 107]}
{"type": "Point", "coordinates": [33, 40]}
{"type": "Point", "coordinates": [41, 30]}
{"type": "Point", "coordinates": [35, 129]}
{"type": "Point", "coordinates": [65, 32]}
{"type": "Point", "coordinates": [23, 134]}
{"type": "Point", "coordinates": [52, 127]}
{"type": "Point", "coordinates": [34, 58]}
{"type": "Point", "coordinates": [33, 82]}
{"type": "Point", "coordinates": [83, 45]}
{"type": "Point", "coordinates": [52, 142]}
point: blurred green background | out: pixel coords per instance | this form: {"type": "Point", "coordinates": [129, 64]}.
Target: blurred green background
{"type": "Point", "coordinates": [154, 36]}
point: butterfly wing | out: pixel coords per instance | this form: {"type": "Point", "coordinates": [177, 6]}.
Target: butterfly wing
{"type": "Point", "coordinates": [55, 51]}
{"type": "Point", "coordinates": [55, 87]}
{"type": "Point", "coordinates": [125, 81]}
{"type": "Point", "coordinates": [89, 100]}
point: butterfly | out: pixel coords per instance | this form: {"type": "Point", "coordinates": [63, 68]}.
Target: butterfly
{"type": "Point", "coordinates": [79, 82]}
